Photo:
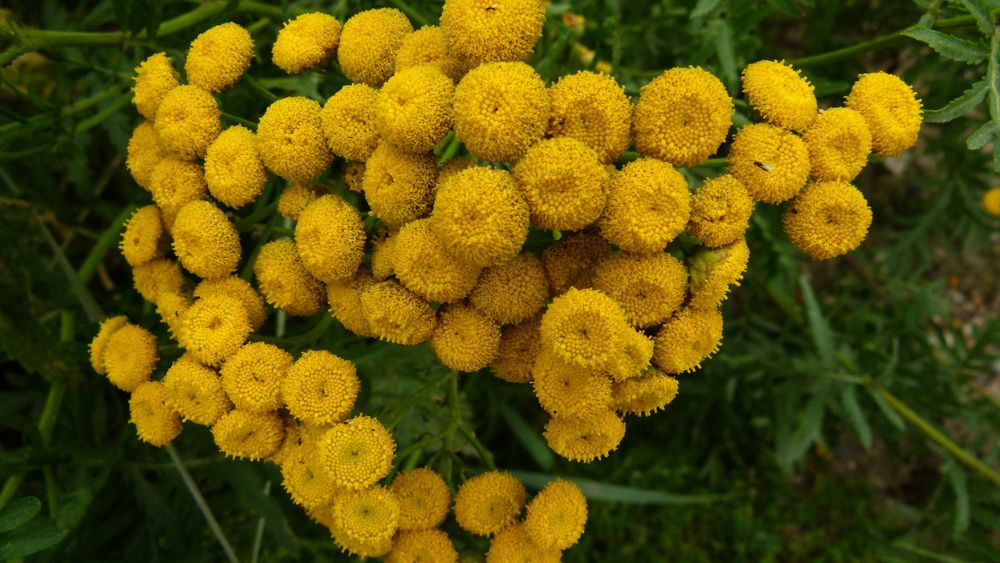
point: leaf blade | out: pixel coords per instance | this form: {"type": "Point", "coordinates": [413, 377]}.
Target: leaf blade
{"type": "Point", "coordinates": [18, 513]}
{"type": "Point", "coordinates": [608, 492]}
{"type": "Point", "coordinates": [949, 46]}
{"type": "Point", "coordinates": [961, 105]}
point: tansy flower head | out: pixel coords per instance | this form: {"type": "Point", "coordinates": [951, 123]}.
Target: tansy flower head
{"type": "Point", "coordinates": [330, 239]}
{"type": "Point", "coordinates": [348, 119]}
{"type": "Point", "coordinates": [682, 116]}
{"type": "Point", "coordinates": [514, 544]}
{"type": "Point", "coordinates": [424, 499]}
{"type": "Point", "coordinates": [215, 328]}
{"type": "Point", "coordinates": [171, 308]}
{"type": "Point", "coordinates": [991, 202]}
{"type": "Point", "coordinates": [594, 109]}
{"type": "Point", "coordinates": [570, 262]}
{"type": "Point", "coordinates": [582, 327]}
{"type": "Point", "coordinates": [413, 109]}
{"type": "Point", "coordinates": [369, 42]}
{"type": "Point", "coordinates": [130, 356]}
{"type": "Point", "coordinates": [891, 108]}
{"type": "Point", "coordinates": [100, 342]}
{"type": "Point", "coordinates": [499, 30]}
{"type": "Point", "coordinates": [556, 516]}
{"type": "Point", "coordinates": [399, 186]}
{"type": "Point", "coordinates": [367, 516]}
{"type": "Point", "coordinates": [174, 184]}
{"type": "Point", "coordinates": [382, 246]}
{"type": "Point", "coordinates": [304, 478]}
{"type": "Point", "coordinates": [633, 357]}
{"type": "Point", "coordinates": [253, 376]}
{"type": "Point", "coordinates": [344, 298]}
{"type": "Point", "coordinates": [427, 46]}
{"type": "Point", "coordinates": [187, 121]}
{"type": "Point", "coordinates": [144, 152]}
{"type": "Point", "coordinates": [249, 435]}
{"type": "Point", "coordinates": [143, 236]}
{"type": "Point", "coordinates": [772, 163]}
{"type": "Point", "coordinates": [714, 271]}
{"type": "Point", "coordinates": [648, 206]}
{"type": "Point", "coordinates": [296, 196]}
{"type": "Point", "coordinates": [563, 182]}
{"type": "Point", "coordinates": [567, 390]}
{"type": "Point", "coordinates": [512, 291]}
{"type": "Point", "coordinates": [283, 280]}
{"type": "Point", "coordinates": [367, 548]}
{"type": "Point", "coordinates": [720, 211]}
{"type": "Point", "coordinates": [520, 345]}
{"type": "Point", "coordinates": [423, 264]}
{"type": "Point", "coordinates": [154, 77]}
{"type": "Point", "coordinates": [234, 172]}
{"type": "Point", "coordinates": [489, 502]}
{"type": "Point", "coordinates": [218, 57]}
{"type": "Point", "coordinates": [195, 392]}
{"type": "Point", "coordinates": [585, 438]}
{"type": "Point", "coordinates": [649, 287]}
{"type": "Point", "coordinates": [828, 219]}
{"type": "Point", "coordinates": [465, 339]}
{"type": "Point", "coordinates": [357, 453]}
{"type": "Point", "coordinates": [157, 276]}
{"type": "Point", "coordinates": [239, 288]}
{"type": "Point", "coordinates": [306, 42]}
{"type": "Point", "coordinates": [430, 546]}
{"type": "Point", "coordinates": [321, 388]}
{"type": "Point", "coordinates": [687, 339]}
{"type": "Point", "coordinates": [155, 422]}
{"type": "Point", "coordinates": [838, 143]}
{"type": "Point", "coordinates": [644, 395]}
{"type": "Point", "coordinates": [501, 109]}
{"type": "Point", "coordinates": [396, 314]}
{"type": "Point", "coordinates": [291, 141]}
{"type": "Point", "coordinates": [205, 242]}
{"type": "Point", "coordinates": [780, 94]}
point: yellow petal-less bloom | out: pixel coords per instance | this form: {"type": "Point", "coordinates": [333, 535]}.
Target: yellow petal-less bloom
{"type": "Point", "coordinates": [155, 422]}
{"type": "Point", "coordinates": [291, 141]}
{"type": "Point", "coordinates": [304, 478]}
{"type": "Point", "coordinates": [253, 376]}
{"type": "Point", "coordinates": [397, 315]}
{"type": "Point", "coordinates": [373, 548]}
{"type": "Point", "coordinates": [648, 206]}
{"type": "Point", "coordinates": [215, 328]}
{"type": "Point", "coordinates": [991, 201]}
{"type": "Point", "coordinates": [100, 342]}
{"type": "Point", "coordinates": [501, 109]}
{"type": "Point", "coordinates": [249, 435]}
{"type": "Point", "coordinates": [349, 125]}
{"type": "Point", "coordinates": [413, 109]}
{"type": "Point", "coordinates": [171, 308]}
{"type": "Point", "coordinates": [423, 546]}
{"type": "Point", "coordinates": [633, 357]}
{"type": "Point", "coordinates": [687, 339]}
{"type": "Point", "coordinates": [484, 32]}
{"type": "Point", "coordinates": [344, 298]}
{"type": "Point", "coordinates": [520, 345]}
{"type": "Point", "coordinates": [586, 438]}
{"type": "Point", "coordinates": [236, 287]}
{"type": "Point", "coordinates": [321, 388]}
{"type": "Point", "coordinates": [682, 116]}
{"type": "Point", "coordinates": [157, 276]}
{"type": "Point", "coordinates": [306, 42]}
{"type": "Point", "coordinates": [234, 172]}
{"type": "Point", "coordinates": [205, 242]}
{"type": "Point", "coordinates": [489, 502]}
{"type": "Point", "coordinates": [512, 291]}
{"type": "Point", "coordinates": [566, 390]}
{"type": "Point", "coordinates": [219, 56]}
{"type": "Point", "coordinates": [891, 108]}
{"type": "Point", "coordinates": [556, 517]}
{"type": "Point", "coordinates": [781, 95]}
{"type": "Point", "coordinates": [570, 262]}
{"type": "Point", "coordinates": [838, 143]}
{"type": "Point", "coordinates": [453, 167]}
{"type": "Point", "coordinates": [296, 196]}
{"type": "Point", "coordinates": [720, 211]}
{"type": "Point", "coordinates": [828, 219]}
{"type": "Point", "coordinates": [592, 108]}
{"type": "Point", "coordinates": [143, 236]}
{"type": "Point", "coordinates": [399, 186]}
{"type": "Point", "coordinates": [382, 247]}
{"type": "Point", "coordinates": [424, 265]}
{"type": "Point", "coordinates": [772, 163]}
{"type": "Point", "coordinates": [649, 287]}
{"type": "Point", "coordinates": [424, 499]}
{"type": "Point", "coordinates": [367, 516]}
{"type": "Point", "coordinates": [583, 327]}
{"type": "Point", "coordinates": [174, 184]}
{"type": "Point", "coordinates": [714, 271]}
{"type": "Point", "coordinates": [284, 281]}
{"type": "Point", "coordinates": [330, 239]}
{"type": "Point", "coordinates": [130, 357]}
{"type": "Point", "coordinates": [428, 46]}
{"type": "Point", "coordinates": [514, 544]}
{"type": "Point", "coordinates": [369, 43]}
{"type": "Point", "coordinates": [480, 216]}
{"type": "Point", "coordinates": [357, 453]}
{"type": "Point", "coordinates": [187, 121]}
{"type": "Point", "coordinates": [144, 152]}
{"type": "Point", "coordinates": [154, 77]}
{"type": "Point", "coordinates": [195, 391]}
{"type": "Point", "coordinates": [644, 395]}
{"type": "Point", "coordinates": [563, 182]}
{"type": "Point", "coordinates": [465, 339]}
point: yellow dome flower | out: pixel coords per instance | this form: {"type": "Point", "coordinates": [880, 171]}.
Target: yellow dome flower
{"type": "Point", "coordinates": [520, 345]}
{"type": "Point", "coordinates": [556, 516]}
{"type": "Point", "coordinates": [828, 219]}
{"type": "Point", "coordinates": [399, 186]}
{"type": "Point", "coordinates": [382, 246]}
{"type": "Point", "coordinates": [154, 77]}
{"type": "Point", "coordinates": [501, 109]}
{"type": "Point", "coordinates": [239, 288]}
{"type": "Point", "coordinates": [486, 32]}
{"type": "Point", "coordinates": [489, 502]}
{"type": "Point", "coordinates": [348, 119]}
{"type": "Point", "coordinates": [567, 390]}
{"type": "Point", "coordinates": [682, 116]}
{"type": "Point", "coordinates": [368, 515]}
{"type": "Point", "coordinates": [633, 357]}
{"type": "Point", "coordinates": [585, 438]}
{"type": "Point", "coordinates": [838, 143]}
{"type": "Point", "coordinates": [205, 242]}
{"type": "Point", "coordinates": [592, 108]}
{"type": "Point", "coordinates": [353, 176]}
{"type": "Point", "coordinates": [512, 291]}
{"type": "Point", "coordinates": [304, 478]}
{"type": "Point", "coordinates": [687, 339]}
{"type": "Point", "coordinates": [130, 356]}
{"type": "Point", "coordinates": [369, 43]}
{"type": "Point", "coordinates": [720, 211]}
{"type": "Point", "coordinates": [157, 276]}
{"type": "Point", "coordinates": [291, 141]}
{"type": "Point", "coordinates": [465, 339]}
{"type": "Point", "coordinates": [424, 499]}
{"type": "Point", "coordinates": [772, 163]}
{"type": "Point", "coordinates": [215, 328]}
{"type": "Point", "coordinates": [570, 262]}
{"type": "Point", "coordinates": [514, 544]}
{"type": "Point", "coordinates": [649, 287]}
{"type": "Point", "coordinates": [296, 196]}
{"type": "Point", "coordinates": [413, 109]}
{"type": "Point", "coordinates": [218, 57]}
{"type": "Point", "coordinates": [781, 95]}
{"type": "Point", "coordinates": [155, 422]}
{"type": "Point", "coordinates": [373, 548]}
{"type": "Point", "coordinates": [100, 342]}
{"type": "Point", "coordinates": [453, 167]}
{"type": "Point", "coordinates": [423, 264]}
{"type": "Point", "coordinates": [283, 280]}
{"type": "Point", "coordinates": [427, 46]}
{"type": "Point", "coordinates": [357, 453]}
{"type": "Point", "coordinates": [480, 216]}
{"type": "Point", "coordinates": [344, 298]}
{"type": "Point", "coordinates": [330, 239]}
{"type": "Point", "coordinates": [321, 388]}
{"type": "Point", "coordinates": [144, 152]}
{"type": "Point", "coordinates": [644, 395]}
{"type": "Point", "coordinates": [249, 435]}
{"type": "Point", "coordinates": [564, 183]}
{"type": "Point", "coordinates": [174, 184]}
{"type": "Point", "coordinates": [991, 201]}
{"type": "Point", "coordinates": [714, 271]}
{"type": "Point", "coordinates": [234, 171]}
{"type": "Point", "coordinates": [187, 121]}
{"type": "Point", "coordinates": [253, 376]}
{"type": "Point", "coordinates": [397, 315]}
{"type": "Point", "coordinates": [892, 110]}
{"type": "Point", "coordinates": [195, 392]}
{"type": "Point", "coordinates": [583, 327]}
{"type": "Point", "coordinates": [143, 236]}
{"type": "Point", "coordinates": [171, 308]}
{"type": "Point", "coordinates": [423, 546]}
{"type": "Point", "coordinates": [648, 206]}
{"type": "Point", "coordinates": [306, 42]}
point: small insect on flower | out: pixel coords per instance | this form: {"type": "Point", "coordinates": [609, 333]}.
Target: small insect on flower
{"type": "Point", "coordinates": [215, 328]}
{"type": "Point", "coordinates": [431, 545]}
{"type": "Point", "coordinates": [514, 544]}
{"type": "Point", "coordinates": [130, 356]}
{"type": "Point", "coordinates": [357, 453]}
{"type": "Point", "coordinates": [399, 186]}
{"type": "Point", "coordinates": [644, 395]}
{"type": "Point", "coordinates": [492, 31]}
{"type": "Point", "coordinates": [563, 182]}
{"type": "Point", "coordinates": [369, 43]}
{"type": "Point", "coordinates": [585, 438]}
{"type": "Point", "coordinates": [687, 339]}
{"type": "Point", "coordinates": [187, 121]}
{"type": "Point", "coordinates": [892, 110]}
{"type": "Point", "coordinates": [720, 211]}
{"type": "Point", "coordinates": [143, 237]}
{"type": "Point", "coordinates": [413, 109]}
{"type": "Point", "coordinates": [511, 291]}
{"type": "Point", "coordinates": [828, 219]}
{"type": "Point", "coordinates": [253, 377]}
{"type": "Point", "coordinates": [396, 314]}
{"type": "Point", "coordinates": [306, 42]}
{"type": "Point", "coordinates": [648, 206]}
{"type": "Point", "coordinates": [284, 281]}
{"type": "Point", "coordinates": [489, 502]}
{"type": "Point", "coordinates": [424, 499]}
{"type": "Point", "coordinates": [144, 152]}
{"type": "Point", "coordinates": [781, 95]}
{"type": "Point", "coordinates": [330, 239]}
{"type": "Point", "coordinates": [234, 172]}
{"type": "Point", "coordinates": [155, 422]}
{"type": "Point", "coordinates": [714, 271]}
{"type": "Point", "coordinates": [772, 163]}
{"type": "Point", "coordinates": [520, 345]}
{"type": "Point", "coordinates": [649, 287]}
{"type": "Point", "coordinates": [567, 390]}
{"type": "Point", "coordinates": [248, 435]}
{"type": "Point", "coordinates": [320, 388]}
{"type": "Point", "coordinates": [424, 265]}
{"type": "Point", "coordinates": [291, 141]}
{"type": "Point", "coordinates": [428, 46]}
{"type": "Point", "coordinates": [219, 56]}
{"type": "Point", "coordinates": [154, 77]}
{"type": "Point", "coordinates": [592, 108]}
{"type": "Point", "coordinates": [465, 340]}
{"type": "Point", "coordinates": [348, 120]}
{"type": "Point", "coordinates": [196, 391]}
{"type": "Point", "coordinates": [556, 516]}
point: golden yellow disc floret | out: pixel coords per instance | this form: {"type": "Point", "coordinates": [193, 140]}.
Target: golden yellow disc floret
{"type": "Point", "coordinates": [249, 435]}
{"type": "Point", "coordinates": [396, 314]}
{"type": "Point", "coordinates": [648, 206]}
{"type": "Point", "coordinates": [321, 388]}
{"type": "Point", "coordinates": [205, 242]}
{"type": "Point", "coordinates": [398, 185]}
{"type": "Point", "coordinates": [838, 143]}
{"type": "Point", "coordinates": [720, 211]}
{"type": "Point", "coordinates": [100, 342]}
{"type": "Point", "coordinates": [563, 182]}
{"type": "Point", "coordinates": [154, 77]}
{"type": "Point", "coordinates": [489, 502]}
{"type": "Point", "coordinates": [644, 395]}
{"type": "Point", "coordinates": [369, 43]}
{"type": "Point", "coordinates": [585, 438]}
{"type": "Point", "coordinates": [303, 475]}
{"type": "Point", "coordinates": [253, 376]}
{"type": "Point", "coordinates": [570, 262]}
{"type": "Point", "coordinates": [423, 264]}
{"type": "Point", "coordinates": [367, 516]}
{"type": "Point", "coordinates": [891, 108]}
{"type": "Point", "coordinates": [520, 345]}
{"type": "Point", "coordinates": [592, 108]}
{"type": "Point", "coordinates": [171, 308]}
{"type": "Point", "coordinates": [284, 281]}
{"type": "Point", "coordinates": [196, 391]}
{"type": "Point", "coordinates": [296, 196]}
{"type": "Point", "coordinates": [465, 339]}
{"type": "Point", "coordinates": [306, 42]}
{"type": "Point", "coordinates": [423, 546]}
{"type": "Point", "coordinates": [512, 291]}
{"type": "Point", "coordinates": [583, 327]}
{"type": "Point", "coordinates": [234, 172]}
{"type": "Point", "coordinates": [556, 517]}
{"type": "Point", "coordinates": [174, 184]}
{"type": "Point", "coordinates": [633, 356]}
{"type": "Point", "coordinates": [649, 287]}
{"type": "Point", "coordinates": [413, 109]}
{"type": "Point", "coordinates": [424, 499]}
{"type": "Point", "coordinates": [368, 548]}
{"type": "Point", "coordinates": [381, 256]}
{"type": "Point", "coordinates": [330, 239]}
{"type": "Point", "coordinates": [219, 56]}
{"type": "Point", "coordinates": [772, 163]}
{"type": "Point", "coordinates": [144, 152]}
{"type": "Point", "coordinates": [828, 219]}
{"type": "Point", "coordinates": [236, 287]}
{"type": "Point", "coordinates": [453, 167]}
{"type": "Point", "coordinates": [130, 356]}
{"type": "Point", "coordinates": [349, 125]}
{"type": "Point", "coordinates": [514, 544]}
{"type": "Point", "coordinates": [142, 239]}
{"type": "Point", "coordinates": [291, 141]}
{"type": "Point", "coordinates": [485, 31]}
{"type": "Point", "coordinates": [567, 390]}
{"type": "Point", "coordinates": [780, 94]}
{"type": "Point", "coordinates": [714, 271]}
{"type": "Point", "coordinates": [187, 121]}
{"type": "Point", "coordinates": [357, 453]}
{"type": "Point", "coordinates": [687, 339]}
{"type": "Point", "coordinates": [157, 276]}
{"type": "Point", "coordinates": [428, 46]}
{"type": "Point", "coordinates": [344, 298]}
{"type": "Point", "coordinates": [991, 201]}
{"type": "Point", "coordinates": [215, 328]}
{"type": "Point", "coordinates": [155, 422]}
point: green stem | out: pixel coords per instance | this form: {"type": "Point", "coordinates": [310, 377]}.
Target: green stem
{"type": "Point", "coordinates": [103, 245]}
{"type": "Point", "coordinates": [259, 89]}
{"type": "Point", "coordinates": [101, 116]}
{"type": "Point", "coordinates": [484, 453]}
{"type": "Point", "coordinates": [10, 489]}
{"type": "Point", "coordinates": [259, 536]}
{"type": "Point", "coordinates": [206, 511]}
{"type": "Point", "coordinates": [410, 11]}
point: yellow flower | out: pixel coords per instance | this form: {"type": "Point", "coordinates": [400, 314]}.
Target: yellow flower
{"type": "Point", "coordinates": [215, 328]}
{"type": "Point", "coordinates": [187, 121]}
{"type": "Point", "coordinates": [283, 280]}
{"type": "Point", "coordinates": [891, 109]}
{"type": "Point", "coordinates": [720, 211]}
{"type": "Point", "coordinates": [369, 43]}
{"type": "Point", "coordinates": [218, 57]}
{"type": "Point", "coordinates": [330, 239]}
{"type": "Point", "coordinates": [556, 516]}
{"type": "Point", "coordinates": [585, 438]}
{"type": "Point", "coordinates": [501, 109]}
{"type": "Point", "coordinates": [714, 271]}
{"type": "Point", "coordinates": [570, 262]}
{"type": "Point", "coordinates": [306, 42]}
{"type": "Point", "coordinates": [353, 176]}
{"type": "Point", "coordinates": [648, 206]}
{"type": "Point", "coordinates": [567, 390]}
{"type": "Point", "coordinates": [320, 388]}
{"type": "Point", "coordinates": [838, 143]}
{"type": "Point", "coordinates": [772, 163]}
{"type": "Point", "coordinates": [371, 548]}
{"type": "Point", "coordinates": [687, 339]}
{"type": "Point", "coordinates": [344, 298]}
{"type": "Point", "coordinates": [399, 186]}
{"type": "Point", "coordinates": [382, 246]}
{"type": "Point", "coordinates": [239, 288]}
{"type": "Point", "coordinates": [649, 287]}
{"type": "Point", "coordinates": [396, 314]}
{"type": "Point", "coordinates": [564, 183]}
{"type": "Point", "coordinates": [781, 95]}
{"type": "Point", "coordinates": [144, 152]}
{"type": "Point", "coordinates": [205, 242]}
{"type": "Point", "coordinates": [424, 499]}
{"type": "Point", "coordinates": [489, 502]}
{"type": "Point", "coordinates": [633, 357]}
{"type": "Point", "coordinates": [991, 201]}
{"type": "Point", "coordinates": [296, 196]}
{"type": "Point", "coordinates": [828, 219]}
{"type": "Point", "coordinates": [253, 376]}
{"type": "Point", "coordinates": [453, 167]}
{"type": "Point", "coordinates": [195, 391]}
{"type": "Point", "coordinates": [423, 264]}
{"type": "Point", "coordinates": [594, 109]}
{"type": "Point", "coordinates": [157, 276]}
{"type": "Point", "coordinates": [424, 546]}
{"type": "Point", "coordinates": [291, 141]}
{"type": "Point", "coordinates": [514, 544]}
{"type": "Point", "coordinates": [644, 395]}
{"type": "Point", "coordinates": [171, 308]}
{"type": "Point", "coordinates": [357, 453]}
{"type": "Point", "coordinates": [249, 435]}
{"type": "Point", "coordinates": [465, 339]}
{"type": "Point", "coordinates": [583, 327]}
{"type": "Point", "coordinates": [143, 236]}
{"type": "Point", "coordinates": [682, 116]}
{"type": "Point", "coordinates": [480, 215]}
{"type": "Point", "coordinates": [100, 342]}
{"type": "Point", "coordinates": [130, 356]}
{"type": "Point", "coordinates": [154, 77]}
{"type": "Point", "coordinates": [304, 478]}
{"type": "Point", "coordinates": [234, 171]}
{"type": "Point", "coordinates": [512, 291]}
{"type": "Point", "coordinates": [155, 422]}
{"type": "Point", "coordinates": [413, 109]}
{"type": "Point", "coordinates": [485, 32]}
{"type": "Point", "coordinates": [348, 120]}
{"type": "Point", "coordinates": [368, 515]}
{"type": "Point", "coordinates": [174, 184]}
{"type": "Point", "coordinates": [427, 46]}
{"type": "Point", "coordinates": [520, 345]}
